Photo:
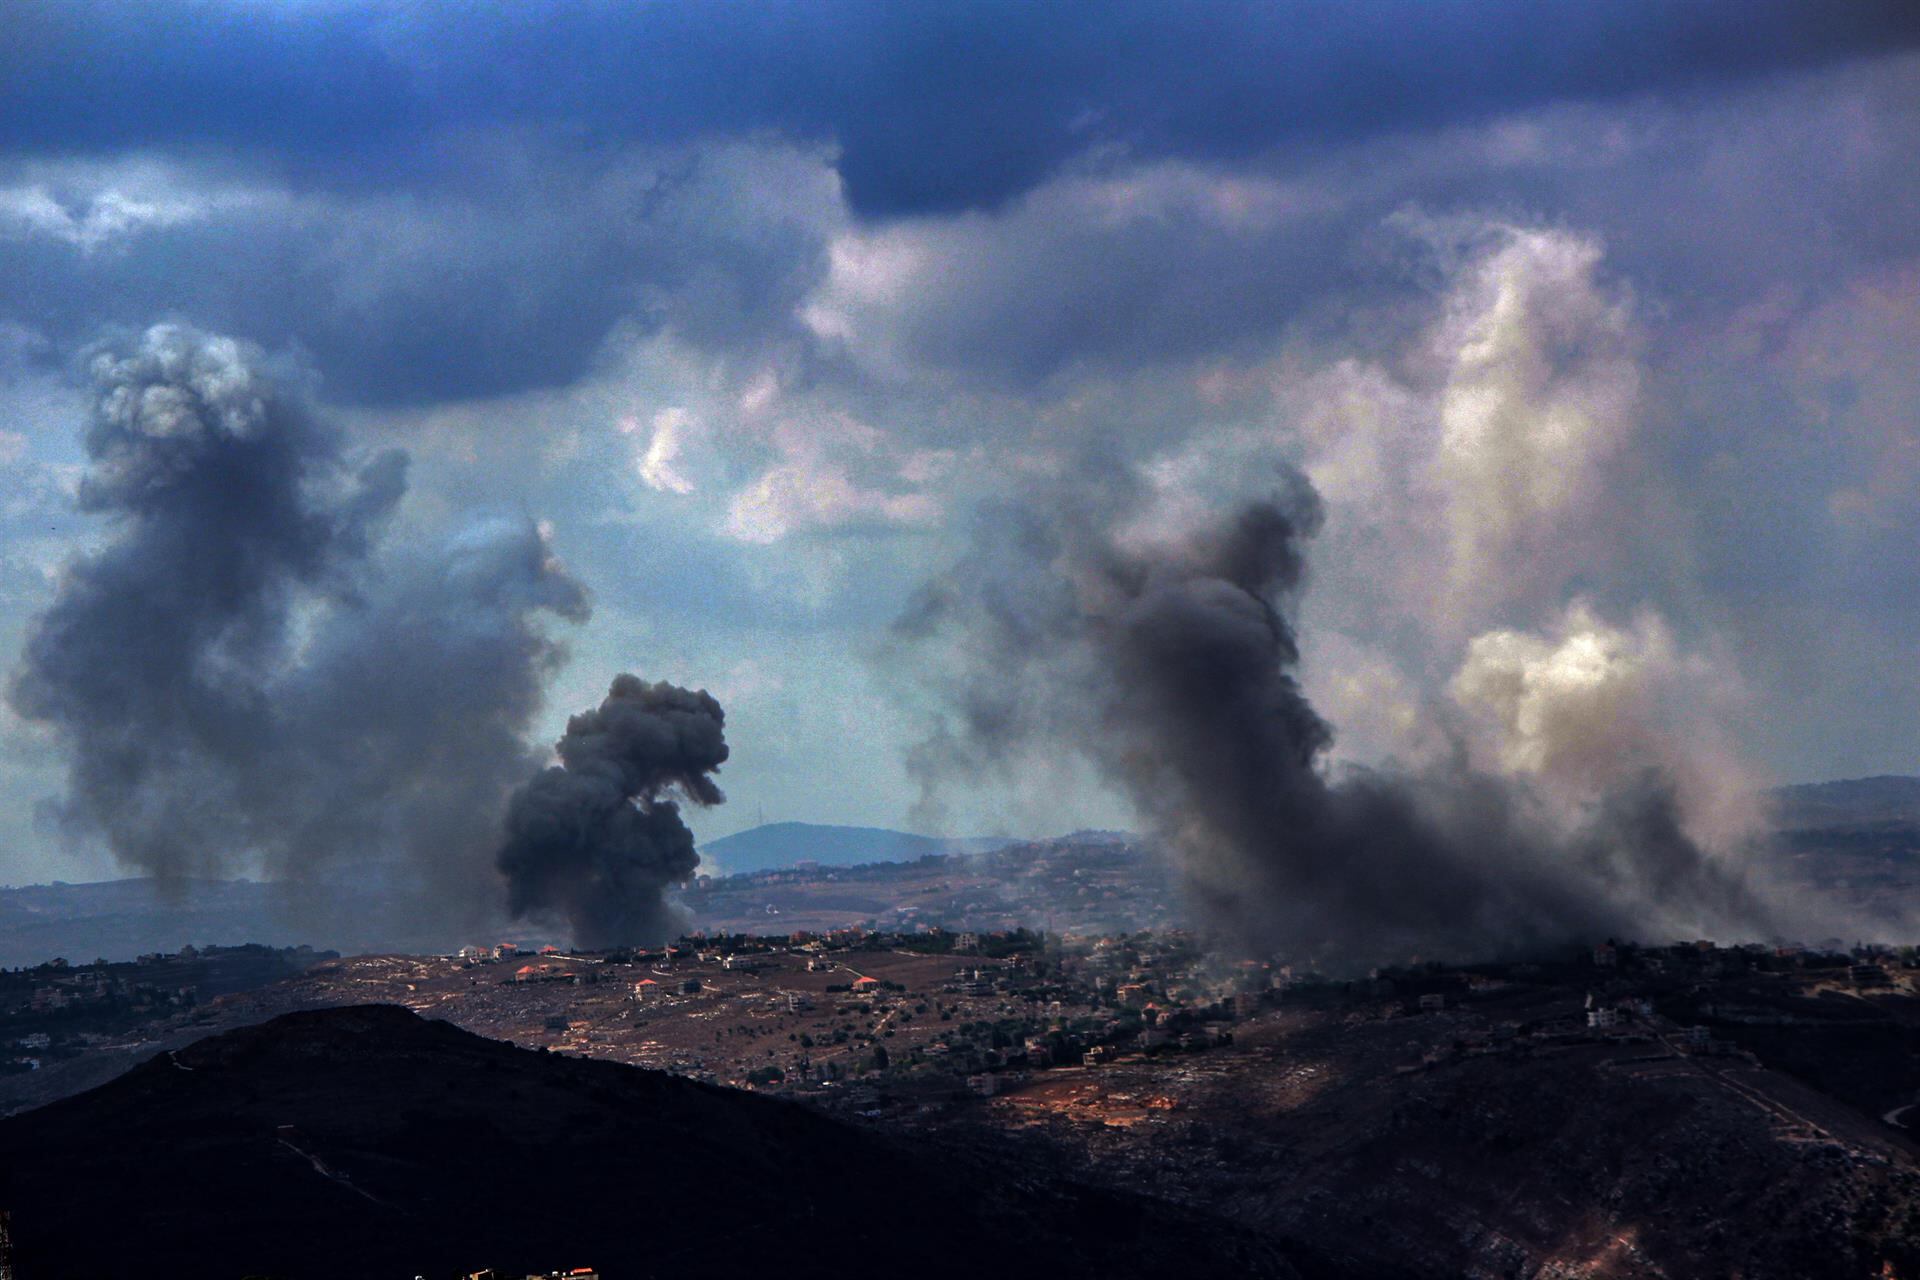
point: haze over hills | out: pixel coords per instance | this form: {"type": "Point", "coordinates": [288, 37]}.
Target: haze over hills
{"type": "Point", "coordinates": [776, 845]}
{"type": "Point", "coordinates": [1886, 798]}
{"type": "Point", "coordinates": [1828, 828]}
{"type": "Point", "coordinates": [368, 1141]}
{"type": "Point", "coordinates": [120, 919]}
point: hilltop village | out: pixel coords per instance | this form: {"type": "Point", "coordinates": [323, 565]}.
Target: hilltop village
{"type": "Point", "coordinates": [875, 1018]}
{"type": "Point", "coordinates": [907, 1019]}
{"type": "Point", "coordinates": [1363, 1119]}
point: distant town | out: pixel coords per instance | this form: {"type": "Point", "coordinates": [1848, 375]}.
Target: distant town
{"type": "Point", "coordinates": [866, 1018]}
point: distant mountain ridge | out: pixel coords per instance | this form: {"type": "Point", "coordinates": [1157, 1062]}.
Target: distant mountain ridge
{"type": "Point", "coordinates": [778, 845]}
{"type": "Point", "coordinates": [1885, 798]}
{"type": "Point", "coordinates": [119, 919]}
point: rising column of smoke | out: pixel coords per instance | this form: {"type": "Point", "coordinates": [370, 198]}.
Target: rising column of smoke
{"type": "Point", "coordinates": [595, 841]}
{"type": "Point", "coordinates": [242, 679]}
{"type": "Point", "coordinates": [1167, 660]}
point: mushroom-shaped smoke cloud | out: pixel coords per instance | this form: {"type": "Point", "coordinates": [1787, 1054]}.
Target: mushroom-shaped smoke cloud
{"type": "Point", "coordinates": [595, 840]}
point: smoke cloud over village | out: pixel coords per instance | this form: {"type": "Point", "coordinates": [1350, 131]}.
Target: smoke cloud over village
{"type": "Point", "coordinates": [246, 676]}
{"type": "Point", "coordinates": [594, 840]}
{"type": "Point", "coordinates": [1078, 624]}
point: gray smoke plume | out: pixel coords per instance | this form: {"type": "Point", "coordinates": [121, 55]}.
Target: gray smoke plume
{"type": "Point", "coordinates": [595, 840]}
{"type": "Point", "coordinates": [1168, 663]}
{"type": "Point", "coordinates": [243, 679]}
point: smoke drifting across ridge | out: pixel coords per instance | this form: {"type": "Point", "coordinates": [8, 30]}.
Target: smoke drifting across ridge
{"type": "Point", "coordinates": [595, 840]}
{"type": "Point", "coordinates": [244, 679]}
{"type": "Point", "coordinates": [1076, 624]}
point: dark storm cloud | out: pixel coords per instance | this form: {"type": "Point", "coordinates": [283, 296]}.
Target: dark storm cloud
{"type": "Point", "coordinates": [441, 208]}
{"type": "Point", "coordinates": [411, 298]}
{"type": "Point", "coordinates": [1168, 662]}
{"type": "Point", "coordinates": [937, 107]}
{"type": "Point", "coordinates": [595, 841]}
{"type": "Point", "coordinates": [421, 332]}
{"type": "Point", "coordinates": [243, 679]}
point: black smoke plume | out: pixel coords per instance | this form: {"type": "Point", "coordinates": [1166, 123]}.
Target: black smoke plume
{"type": "Point", "coordinates": [595, 841]}
{"type": "Point", "coordinates": [1168, 661]}
{"type": "Point", "coordinates": [244, 678]}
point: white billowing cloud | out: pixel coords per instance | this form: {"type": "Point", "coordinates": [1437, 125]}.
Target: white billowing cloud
{"type": "Point", "coordinates": [91, 205]}
{"type": "Point", "coordinates": [818, 486]}
{"type": "Point", "coordinates": [783, 454]}
{"type": "Point", "coordinates": [1540, 398]}
{"type": "Point", "coordinates": [868, 272]}
{"type": "Point", "coordinates": [659, 462]}
{"type": "Point", "coordinates": [1567, 705]}
{"type": "Point", "coordinates": [1477, 473]}
{"type": "Point", "coordinates": [1586, 706]}
{"type": "Point", "coordinates": [34, 211]}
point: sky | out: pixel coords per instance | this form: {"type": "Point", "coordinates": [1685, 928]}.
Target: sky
{"type": "Point", "coordinates": [1592, 327]}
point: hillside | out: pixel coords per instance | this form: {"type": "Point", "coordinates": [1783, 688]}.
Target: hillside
{"type": "Point", "coordinates": [1859, 838]}
{"type": "Point", "coordinates": [1429, 1123]}
{"type": "Point", "coordinates": [1384, 1148]}
{"type": "Point", "coordinates": [368, 1141]}
{"type": "Point", "coordinates": [783, 844]}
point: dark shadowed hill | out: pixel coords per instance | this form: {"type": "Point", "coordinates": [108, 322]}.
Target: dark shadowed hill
{"type": "Point", "coordinates": [783, 844]}
{"type": "Point", "coordinates": [368, 1142]}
